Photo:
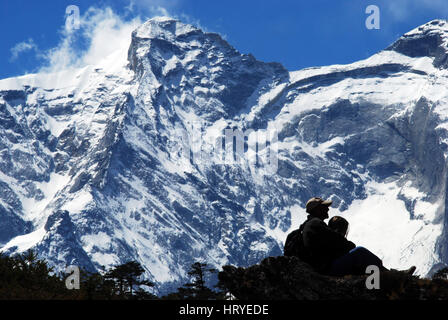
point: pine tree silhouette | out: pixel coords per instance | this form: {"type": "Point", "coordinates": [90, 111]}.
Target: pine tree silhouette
{"type": "Point", "coordinates": [196, 289]}
{"type": "Point", "coordinates": [127, 276]}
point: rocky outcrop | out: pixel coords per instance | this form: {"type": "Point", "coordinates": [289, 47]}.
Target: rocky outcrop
{"type": "Point", "coordinates": [288, 278]}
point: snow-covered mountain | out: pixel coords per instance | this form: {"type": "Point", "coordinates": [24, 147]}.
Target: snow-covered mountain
{"type": "Point", "coordinates": [101, 165]}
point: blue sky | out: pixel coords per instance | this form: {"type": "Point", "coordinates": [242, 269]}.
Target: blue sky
{"type": "Point", "coordinates": [296, 33]}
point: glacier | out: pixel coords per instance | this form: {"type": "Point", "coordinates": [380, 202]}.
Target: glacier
{"type": "Point", "coordinates": [93, 169]}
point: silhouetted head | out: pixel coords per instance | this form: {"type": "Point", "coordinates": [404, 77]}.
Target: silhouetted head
{"type": "Point", "coordinates": [318, 207]}
{"type": "Point", "coordinates": [338, 224]}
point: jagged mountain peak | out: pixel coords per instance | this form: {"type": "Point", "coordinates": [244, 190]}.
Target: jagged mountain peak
{"type": "Point", "coordinates": [430, 40]}
{"type": "Point", "coordinates": [433, 26]}
{"type": "Point", "coordinates": [167, 37]}
{"type": "Point", "coordinates": [92, 171]}
{"type": "Point", "coordinates": [170, 57]}
{"type": "Point", "coordinates": [163, 28]}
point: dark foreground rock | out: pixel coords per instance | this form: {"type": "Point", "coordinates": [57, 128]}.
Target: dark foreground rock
{"type": "Point", "coordinates": [288, 278]}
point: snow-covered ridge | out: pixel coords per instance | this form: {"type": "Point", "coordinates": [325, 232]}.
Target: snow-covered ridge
{"type": "Point", "coordinates": [164, 28]}
{"type": "Point", "coordinates": [92, 170]}
{"type": "Point", "coordinates": [430, 40]}
{"type": "Point", "coordinates": [434, 26]}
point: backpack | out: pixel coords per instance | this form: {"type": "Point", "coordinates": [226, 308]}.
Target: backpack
{"type": "Point", "coordinates": [294, 246]}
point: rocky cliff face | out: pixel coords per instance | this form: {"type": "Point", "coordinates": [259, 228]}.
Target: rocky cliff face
{"type": "Point", "coordinates": [130, 160]}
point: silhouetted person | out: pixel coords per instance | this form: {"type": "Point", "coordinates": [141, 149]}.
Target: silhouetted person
{"type": "Point", "coordinates": [339, 224]}
{"type": "Point", "coordinates": [327, 250]}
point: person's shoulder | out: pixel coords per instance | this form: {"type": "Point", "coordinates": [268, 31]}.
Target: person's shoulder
{"type": "Point", "coordinates": [315, 222]}
{"type": "Point", "coordinates": [293, 233]}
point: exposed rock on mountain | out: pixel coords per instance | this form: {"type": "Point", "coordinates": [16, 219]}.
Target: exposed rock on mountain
{"type": "Point", "coordinates": [129, 159]}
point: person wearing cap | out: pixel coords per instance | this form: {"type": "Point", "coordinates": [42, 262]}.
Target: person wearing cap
{"type": "Point", "coordinates": [322, 244]}
{"type": "Point", "coordinates": [328, 251]}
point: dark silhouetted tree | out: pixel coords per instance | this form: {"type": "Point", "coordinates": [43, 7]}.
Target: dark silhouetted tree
{"type": "Point", "coordinates": [196, 289]}
{"type": "Point", "coordinates": [127, 276]}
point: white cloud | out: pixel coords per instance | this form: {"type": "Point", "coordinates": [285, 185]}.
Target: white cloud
{"type": "Point", "coordinates": [165, 8]}
{"type": "Point", "coordinates": [21, 47]}
{"type": "Point", "coordinates": [102, 30]}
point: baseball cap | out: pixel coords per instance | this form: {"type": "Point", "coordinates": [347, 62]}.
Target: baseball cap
{"type": "Point", "coordinates": [315, 202]}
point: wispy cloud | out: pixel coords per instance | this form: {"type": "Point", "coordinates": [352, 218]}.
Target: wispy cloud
{"type": "Point", "coordinates": [102, 30]}
{"type": "Point", "coordinates": [99, 33]}
{"type": "Point", "coordinates": [22, 47]}
{"type": "Point", "coordinates": [167, 8]}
